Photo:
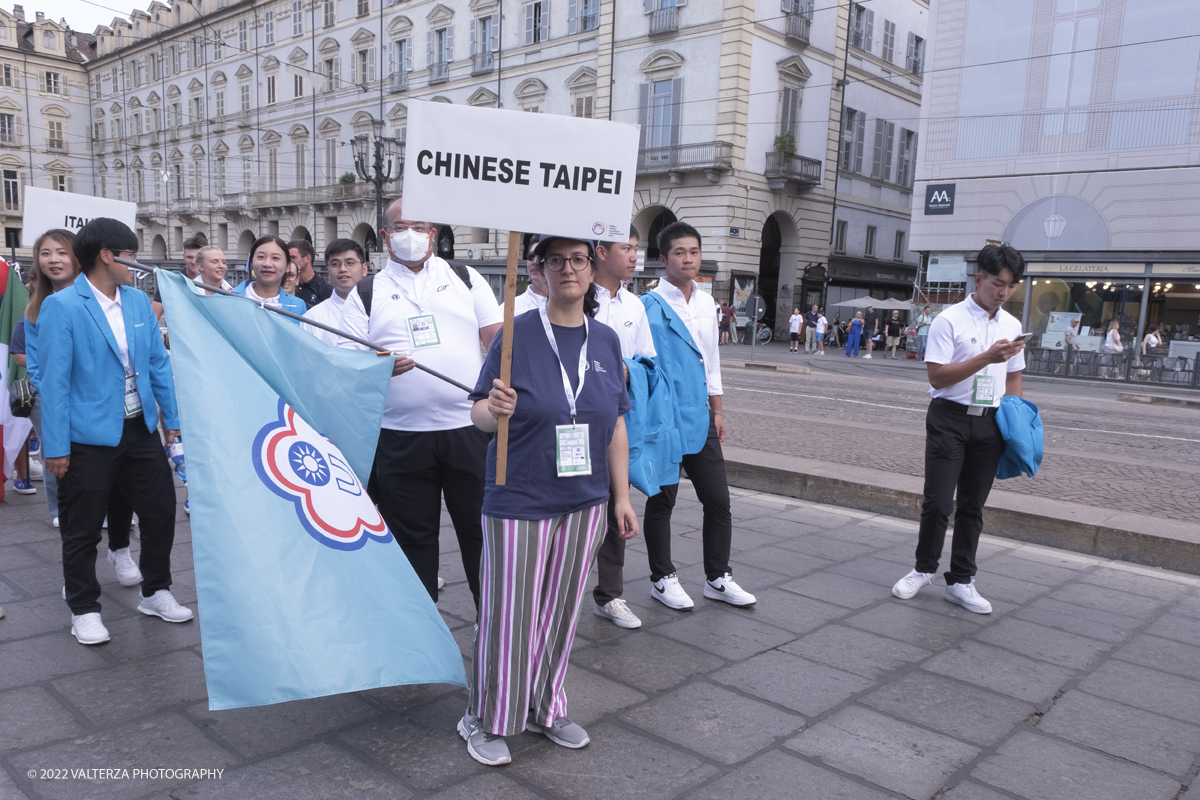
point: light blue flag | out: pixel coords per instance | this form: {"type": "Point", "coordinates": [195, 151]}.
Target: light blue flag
{"type": "Point", "coordinates": [302, 590]}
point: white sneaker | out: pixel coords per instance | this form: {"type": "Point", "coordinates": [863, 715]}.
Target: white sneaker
{"type": "Point", "coordinates": [88, 628]}
{"type": "Point", "coordinates": [868, 355]}
{"type": "Point", "coordinates": [55, 522]}
{"type": "Point", "coordinates": [726, 590]}
{"type": "Point", "coordinates": [968, 597]}
{"type": "Point", "coordinates": [127, 571]}
{"type": "Point", "coordinates": [441, 583]}
{"type": "Point", "coordinates": [619, 613]}
{"type": "Point", "coordinates": [36, 471]}
{"type": "Point", "coordinates": [911, 583]}
{"type": "Point", "coordinates": [162, 604]}
{"type": "Point", "coordinates": [668, 592]}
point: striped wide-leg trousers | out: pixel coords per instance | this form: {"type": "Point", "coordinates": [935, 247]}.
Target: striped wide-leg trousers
{"type": "Point", "coordinates": [532, 581]}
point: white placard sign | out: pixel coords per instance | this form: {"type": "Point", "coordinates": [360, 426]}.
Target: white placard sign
{"type": "Point", "coordinates": [46, 209]}
{"type": "Point", "coordinates": [517, 171]}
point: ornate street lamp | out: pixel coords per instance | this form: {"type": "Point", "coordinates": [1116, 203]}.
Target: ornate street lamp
{"type": "Point", "coordinates": [379, 164]}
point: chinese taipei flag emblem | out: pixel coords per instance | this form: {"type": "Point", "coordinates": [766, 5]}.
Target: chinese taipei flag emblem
{"type": "Point", "coordinates": [301, 589]}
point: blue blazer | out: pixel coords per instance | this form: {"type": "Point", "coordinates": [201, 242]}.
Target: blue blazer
{"type": "Point", "coordinates": [680, 360]}
{"type": "Point", "coordinates": [288, 302]}
{"type": "Point", "coordinates": [654, 447]}
{"type": "Point", "coordinates": [1021, 426]}
{"type": "Point", "coordinates": [80, 375]}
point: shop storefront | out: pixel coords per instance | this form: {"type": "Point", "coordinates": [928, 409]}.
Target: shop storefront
{"type": "Point", "coordinates": [850, 278]}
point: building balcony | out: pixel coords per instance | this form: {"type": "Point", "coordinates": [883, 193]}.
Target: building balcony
{"type": "Point", "coordinates": [151, 210]}
{"type": "Point", "coordinates": [785, 168]}
{"type": "Point", "coordinates": [188, 206]}
{"type": "Point", "coordinates": [8, 139]}
{"type": "Point", "coordinates": [352, 193]}
{"type": "Point", "coordinates": [663, 20]}
{"type": "Point", "coordinates": [398, 82]}
{"type": "Point", "coordinates": [482, 63]}
{"type": "Point", "coordinates": [439, 72]}
{"type": "Point", "coordinates": [197, 129]}
{"type": "Point", "coordinates": [797, 27]}
{"type": "Point", "coordinates": [218, 124]}
{"type": "Point", "coordinates": [242, 118]}
{"type": "Point", "coordinates": [707, 157]}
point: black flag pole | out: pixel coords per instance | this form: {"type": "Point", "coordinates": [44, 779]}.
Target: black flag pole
{"type": "Point", "coordinates": [134, 265]}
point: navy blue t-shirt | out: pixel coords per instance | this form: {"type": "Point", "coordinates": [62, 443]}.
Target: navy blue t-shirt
{"type": "Point", "coordinates": [533, 490]}
{"type": "Point", "coordinates": [17, 346]}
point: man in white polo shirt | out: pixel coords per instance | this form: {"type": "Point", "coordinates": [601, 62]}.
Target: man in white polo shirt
{"type": "Point", "coordinates": [443, 316]}
{"type": "Point", "coordinates": [620, 310]}
{"type": "Point", "coordinates": [534, 296]}
{"type": "Point", "coordinates": [974, 357]}
{"type": "Point", "coordinates": [346, 263]}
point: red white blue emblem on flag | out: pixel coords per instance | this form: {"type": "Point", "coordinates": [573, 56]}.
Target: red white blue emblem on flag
{"type": "Point", "coordinates": [301, 465]}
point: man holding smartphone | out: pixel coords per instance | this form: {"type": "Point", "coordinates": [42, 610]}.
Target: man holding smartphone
{"type": "Point", "coordinates": [974, 357]}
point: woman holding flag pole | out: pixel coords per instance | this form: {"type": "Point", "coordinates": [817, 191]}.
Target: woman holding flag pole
{"type": "Point", "coordinates": [542, 528]}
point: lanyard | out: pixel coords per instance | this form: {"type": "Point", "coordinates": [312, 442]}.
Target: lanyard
{"type": "Point", "coordinates": [571, 398]}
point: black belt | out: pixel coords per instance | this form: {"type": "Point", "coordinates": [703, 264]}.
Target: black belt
{"type": "Point", "coordinates": [959, 408]}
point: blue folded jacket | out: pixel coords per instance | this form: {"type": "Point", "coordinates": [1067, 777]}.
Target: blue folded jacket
{"type": "Point", "coordinates": [654, 445]}
{"type": "Point", "coordinates": [1021, 426]}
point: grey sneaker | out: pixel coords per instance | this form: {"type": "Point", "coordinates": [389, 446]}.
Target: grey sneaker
{"type": "Point", "coordinates": [482, 746]}
{"type": "Point", "coordinates": [563, 732]}
{"type": "Point", "coordinates": [619, 613]}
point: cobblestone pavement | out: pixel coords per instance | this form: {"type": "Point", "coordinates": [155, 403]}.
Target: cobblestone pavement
{"type": "Point", "coordinates": [1099, 451]}
{"type": "Point", "coordinates": [1084, 683]}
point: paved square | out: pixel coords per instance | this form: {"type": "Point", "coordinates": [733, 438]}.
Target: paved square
{"type": "Point", "coordinates": [1083, 684]}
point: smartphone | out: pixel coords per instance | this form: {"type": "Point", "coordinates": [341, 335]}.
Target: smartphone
{"type": "Point", "coordinates": [1025, 337]}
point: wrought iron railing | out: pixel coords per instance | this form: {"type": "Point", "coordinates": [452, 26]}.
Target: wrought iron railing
{"type": "Point", "coordinates": [316, 194]}
{"type": "Point", "coordinates": [663, 20]}
{"type": "Point", "coordinates": [798, 27]}
{"type": "Point", "coordinates": [686, 157]}
{"type": "Point", "coordinates": [791, 167]}
{"type": "Point", "coordinates": [481, 63]}
{"type": "Point", "coordinates": [439, 72]}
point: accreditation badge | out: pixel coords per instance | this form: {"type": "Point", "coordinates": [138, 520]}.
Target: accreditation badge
{"type": "Point", "coordinates": [573, 453]}
{"type": "Point", "coordinates": [133, 400]}
{"type": "Point", "coordinates": [984, 392]}
{"type": "Point", "coordinates": [424, 331]}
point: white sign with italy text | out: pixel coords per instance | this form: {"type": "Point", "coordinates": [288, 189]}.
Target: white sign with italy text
{"type": "Point", "coordinates": [519, 171]}
{"type": "Point", "coordinates": [46, 209]}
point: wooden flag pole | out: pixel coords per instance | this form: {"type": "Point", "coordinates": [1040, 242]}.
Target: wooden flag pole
{"type": "Point", "coordinates": [506, 345]}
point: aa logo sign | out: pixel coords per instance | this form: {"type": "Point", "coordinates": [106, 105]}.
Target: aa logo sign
{"type": "Point", "coordinates": [939, 199]}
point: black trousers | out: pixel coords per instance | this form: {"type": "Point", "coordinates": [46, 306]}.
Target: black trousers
{"type": "Point", "coordinates": [706, 470]}
{"type": "Point", "coordinates": [413, 470]}
{"type": "Point", "coordinates": [138, 466]}
{"type": "Point", "coordinates": [961, 453]}
{"type": "Point", "coordinates": [120, 519]}
{"type": "Point", "coordinates": [610, 562]}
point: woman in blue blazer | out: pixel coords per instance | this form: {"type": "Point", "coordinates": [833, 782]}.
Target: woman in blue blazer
{"type": "Point", "coordinates": [267, 263]}
{"type": "Point", "coordinates": [102, 371]}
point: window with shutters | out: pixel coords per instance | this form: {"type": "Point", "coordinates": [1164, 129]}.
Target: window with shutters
{"type": "Point", "coordinates": [364, 7]}
{"type": "Point", "coordinates": [582, 15]}
{"type": "Point", "coordinates": [177, 185]}
{"type": "Point", "coordinates": [176, 114]}
{"type": "Point", "coordinates": [247, 173]}
{"type": "Point", "coordinates": [49, 40]}
{"type": "Point", "coordinates": [155, 67]}
{"type": "Point", "coordinates": [103, 187]}
{"type": "Point", "coordinates": [158, 190]}
{"type": "Point", "coordinates": [273, 169]}
{"type": "Point", "coordinates": [269, 27]}
{"type": "Point", "coordinates": [12, 191]}
{"type": "Point", "coordinates": [862, 22]}
{"type": "Point", "coordinates": [869, 248]}
{"type": "Point", "coordinates": [219, 175]}
{"type": "Point", "coordinates": [362, 67]}
{"type": "Point", "coordinates": [197, 52]}
{"type": "Point", "coordinates": [270, 90]}
{"type": "Point", "coordinates": [914, 62]}
{"type": "Point", "coordinates": [126, 76]}
{"type": "Point", "coordinates": [898, 253]}
{"type": "Point", "coordinates": [789, 111]}
{"type": "Point", "coordinates": [297, 17]}
{"type": "Point", "coordinates": [537, 22]}
{"type": "Point", "coordinates": [332, 71]}
{"type": "Point", "coordinates": [113, 81]}
{"type": "Point", "coordinates": [193, 179]}
{"type": "Point", "coordinates": [881, 160]}
{"type": "Point", "coordinates": [139, 187]}
{"type": "Point", "coordinates": [329, 13]}
{"type": "Point", "coordinates": [331, 160]}
{"type": "Point", "coordinates": [55, 141]}
{"type": "Point", "coordinates": [3, 31]}
{"type": "Point", "coordinates": [854, 131]}
{"type": "Point", "coordinates": [218, 46]}
{"type": "Point", "coordinates": [220, 102]}
{"type": "Point", "coordinates": [243, 36]}
{"type": "Point", "coordinates": [906, 157]}
{"type": "Point", "coordinates": [198, 114]}
{"type": "Point", "coordinates": [137, 123]}
{"type": "Point", "coordinates": [119, 185]}
{"type": "Point", "coordinates": [297, 86]}
{"type": "Point", "coordinates": [663, 112]}
{"type": "Point", "coordinates": [6, 80]}
{"type": "Point", "coordinates": [8, 129]}
{"type": "Point", "coordinates": [889, 41]}
{"type": "Point", "coordinates": [401, 59]}
{"type": "Point", "coordinates": [839, 236]}
{"type": "Point", "coordinates": [53, 82]}
{"type": "Point", "coordinates": [301, 163]}
{"type": "Point", "coordinates": [58, 183]}
{"type": "Point", "coordinates": [484, 35]}
{"type": "Point", "coordinates": [583, 106]}
{"type": "Point", "coordinates": [439, 52]}
{"type": "Point", "coordinates": [245, 96]}
{"type": "Point", "coordinates": [156, 118]}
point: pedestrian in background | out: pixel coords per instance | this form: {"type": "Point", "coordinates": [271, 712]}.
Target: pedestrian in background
{"type": "Point", "coordinates": [822, 324]}
{"type": "Point", "coordinates": [854, 335]}
{"type": "Point", "coordinates": [1113, 349]}
{"type": "Point", "coordinates": [726, 323]}
{"type": "Point", "coordinates": [870, 329]}
{"type": "Point", "coordinates": [810, 329]}
{"type": "Point", "coordinates": [291, 277]}
{"type": "Point", "coordinates": [310, 287]}
{"type": "Point", "coordinates": [894, 330]}
{"type": "Point", "coordinates": [211, 262]}
{"type": "Point", "coordinates": [1071, 345]}
{"type": "Point", "coordinates": [347, 264]}
{"type": "Point", "coordinates": [191, 246]}
{"type": "Point", "coordinates": [975, 357]}
{"type": "Point", "coordinates": [567, 451]}
{"type": "Point", "coordinates": [836, 329]}
{"type": "Point", "coordinates": [1151, 340]}
{"type": "Point", "coordinates": [267, 262]}
{"type": "Point", "coordinates": [923, 321]}
{"type": "Point", "coordinates": [103, 370]}
{"type": "Point", "coordinates": [534, 296]}
{"type": "Point", "coordinates": [794, 324]}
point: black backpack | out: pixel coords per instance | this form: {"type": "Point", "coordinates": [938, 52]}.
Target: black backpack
{"type": "Point", "coordinates": [366, 286]}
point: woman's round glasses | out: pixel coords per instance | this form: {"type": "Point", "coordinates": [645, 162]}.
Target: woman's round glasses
{"type": "Point", "coordinates": [556, 263]}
